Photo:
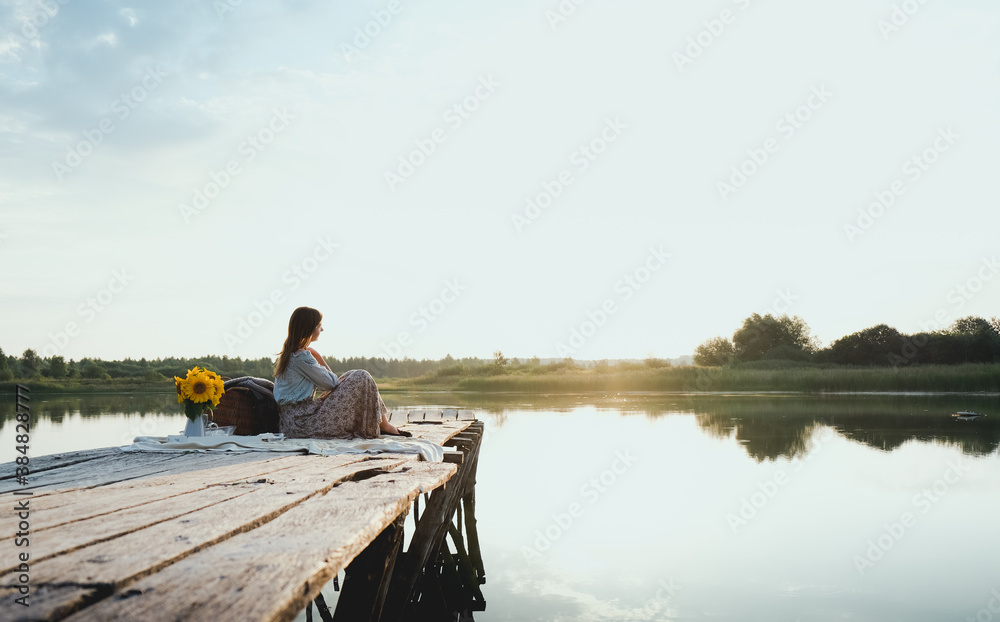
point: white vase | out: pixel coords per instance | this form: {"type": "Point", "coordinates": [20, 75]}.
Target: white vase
{"type": "Point", "coordinates": [196, 427]}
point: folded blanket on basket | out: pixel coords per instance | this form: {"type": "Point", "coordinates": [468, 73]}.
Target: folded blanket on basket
{"type": "Point", "coordinates": [260, 388]}
{"type": "Point", "coordinates": [322, 446]}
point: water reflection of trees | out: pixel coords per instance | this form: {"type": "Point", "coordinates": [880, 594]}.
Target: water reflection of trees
{"type": "Point", "coordinates": [763, 435]}
{"type": "Point", "coordinates": [768, 426]}
{"type": "Point", "coordinates": [772, 427]}
{"type": "Point", "coordinates": [58, 408]}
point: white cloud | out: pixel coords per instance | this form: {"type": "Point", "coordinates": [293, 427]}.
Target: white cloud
{"type": "Point", "coordinates": [129, 16]}
{"type": "Point", "coordinates": [109, 39]}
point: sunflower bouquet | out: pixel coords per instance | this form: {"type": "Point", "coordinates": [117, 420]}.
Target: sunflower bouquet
{"type": "Point", "coordinates": [201, 389]}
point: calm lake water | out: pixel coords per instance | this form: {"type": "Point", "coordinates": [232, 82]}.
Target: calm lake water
{"type": "Point", "coordinates": [667, 507]}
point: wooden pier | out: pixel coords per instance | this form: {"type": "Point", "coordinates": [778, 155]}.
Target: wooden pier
{"type": "Point", "coordinates": [250, 536]}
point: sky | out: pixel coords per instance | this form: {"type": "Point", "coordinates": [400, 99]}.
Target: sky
{"type": "Point", "coordinates": [583, 178]}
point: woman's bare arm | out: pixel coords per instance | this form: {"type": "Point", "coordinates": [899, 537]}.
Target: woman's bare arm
{"type": "Point", "coordinates": [319, 359]}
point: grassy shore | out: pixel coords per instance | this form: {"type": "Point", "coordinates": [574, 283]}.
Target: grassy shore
{"type": "Point", "coordinates": [568, 379]}
{"type": "Point", "coordinates": [115, 385]}
{"type": "Point", "coordinates": [945, 378]}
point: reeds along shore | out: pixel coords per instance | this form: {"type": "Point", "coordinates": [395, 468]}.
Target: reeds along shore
{"type": "Point", "coordinates": [945, 378]}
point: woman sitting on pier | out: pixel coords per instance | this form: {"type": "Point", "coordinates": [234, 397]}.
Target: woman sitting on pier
{"type": "Point", "coordinates": [350, 406]}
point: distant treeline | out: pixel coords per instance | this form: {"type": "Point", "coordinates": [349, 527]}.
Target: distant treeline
{"type": "Point", "coordinates": [769, 338]}
{"type": "Point", "coordinates": [30, 366]}
{"type": "Point", "coordinates": [760, 340]}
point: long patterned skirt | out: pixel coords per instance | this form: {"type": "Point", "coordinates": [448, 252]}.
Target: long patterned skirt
{"type": "Point", "coordinates": [352, 410]}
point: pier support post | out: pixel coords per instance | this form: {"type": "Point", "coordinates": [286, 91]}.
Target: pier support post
{"type": "Point", "coordinates": [434, 524]}
{"type": "Point", "coordinates": [367, 577]}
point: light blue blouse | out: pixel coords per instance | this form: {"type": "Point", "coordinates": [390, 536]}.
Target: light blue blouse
{"type": "Point", "coordinates": [301, 378]}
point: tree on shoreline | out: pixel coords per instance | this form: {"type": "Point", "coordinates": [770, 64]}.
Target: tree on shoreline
{"type": "Point", "coordinates": [715, 352]}
{"type": "Point", "coordinates": [871, 346]}
{"type": "Point", "coordinates": [5, 371]}
{"type": "Point", "coordinates": [57, 367]}
{"type": "Point", "coordinates": [968, 340]}
{"type": "Point", "coordinates": [500, 363]}
{"type": "Point", "coordinates": [762, 337]}
{"type": "Point", "coordinates": [31, 364]}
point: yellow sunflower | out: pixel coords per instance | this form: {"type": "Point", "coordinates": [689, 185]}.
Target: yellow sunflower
{"type": "Point", "coordinates": [183, 390]}
{"type": "Point", "coordinates": [217, 387]}
{"type": "Point", "coordinates": [199, 387]}
{"type": "Point", "coordinates": [202, 388]}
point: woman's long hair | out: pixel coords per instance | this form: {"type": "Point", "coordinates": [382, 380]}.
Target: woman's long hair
{"type": "Point", "coordinates": [301, 326]}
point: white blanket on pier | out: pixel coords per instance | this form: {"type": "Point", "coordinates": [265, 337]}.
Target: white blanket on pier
{"type": "Point", "coordinates": [325, 447]}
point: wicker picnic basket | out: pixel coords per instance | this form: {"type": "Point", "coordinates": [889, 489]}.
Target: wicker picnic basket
{"type": "Point", "coordinates": [249, 414]}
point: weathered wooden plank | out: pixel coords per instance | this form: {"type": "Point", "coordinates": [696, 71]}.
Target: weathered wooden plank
{"type": "Point", "coordinates": [397, 417]}
{"type": "Point", "coordinates": [271, 572]}
{"type": "Point", "coordinates": [124, 559]}
{"type": "Point", "coordinates": [106, 466]}
{"type": "Point", "coordinates": [114, 466]}
{"type": "Point", "coordinates": [438, 433]}
{"type": "Point", "coordinates": [416, 415]}
{"type": "Point", "coordinates": [435, 427]}
{"type": "Point", "coordinates": [47, 602]}
{"type": "Point", "coordinates": [441, 435]}
{"type": "Point", "coordinates": [55, 461]}
{"type": "Point", "coordinates": [449, 414]}
{"type": "Point", "coordinates": [122, 467]}
{"type": "Point", "coordinates": [198, 461]}
{"type": "Point", "coordinates": [62, 507]}
{"type": "Point", "coordinates": [458, 440]}
{"type": "Point", "coordinates": [78, 534]}
{"type": "Point", "coordinates": [433, 415]}
{"type": "Point", "coordinates": [466, 415]}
